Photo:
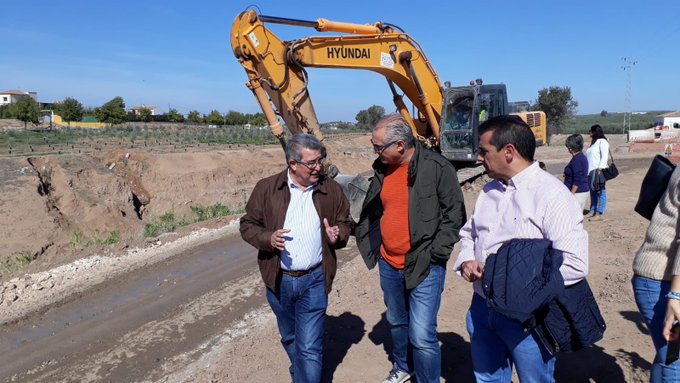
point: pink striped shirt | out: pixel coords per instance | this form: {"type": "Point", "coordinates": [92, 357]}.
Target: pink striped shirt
{"type": "Point", "coordinates": [533, 204]}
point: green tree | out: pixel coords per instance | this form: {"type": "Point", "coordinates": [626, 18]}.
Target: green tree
{"type": "Point", "coordinates": [27, 110]}
{"type": "Point", "coordinates": [8, 111]}
{"type": "Point", "coordinates": [214, 118]}
{"type": "Point", "coordinates": [557, 104]}
{"type": "Point", "coordinates": [112, 112]}
{"type": "Point", "coordinates": [175, 116]}
{"type": "Point", "coordinates": [367, 118]}
{"type": "Point", "coordinates": [194, 117]}
{"type": "Point", "coordinates": [604, 113]}
{"type": "Point", "coordinates": [235, 118]}
{"type": "Point", "coordinates": [70, 110]}
{"type": "Point", "coordinates": [144, 114]}
{"type": "Point", "coordinates": [257, 119]}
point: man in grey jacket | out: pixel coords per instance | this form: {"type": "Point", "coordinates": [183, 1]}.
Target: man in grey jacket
{"type": "Point", "coordinates": [409, 223]}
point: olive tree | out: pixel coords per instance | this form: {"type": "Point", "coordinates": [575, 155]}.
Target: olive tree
{"type": "Point", "coordinates": [214, 118]}
{"type": "Point", "coordinates": [195, 117]}
{"type": "Point", "coordinates": [235, 118]}
{"type": "Point", "coordinates": [175, 116]}
{"type": "Point", "coordinates": [145, 114]}
{"type": "Point", "coordinates": [27, 110]}
{"type": "Point", "coordinates": [367, 118]}
{"type": "Point", "coordinates": [70, 110]}
{"type": "Point", "coordinates": [258, 119]}
{"type": "Point", "coordinates": [112, 112]}
{"type": "Point", "coordinates": [558, 105]}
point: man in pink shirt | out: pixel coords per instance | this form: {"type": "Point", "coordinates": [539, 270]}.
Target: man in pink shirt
{"type": "Point", "coordinates": [522, 201]}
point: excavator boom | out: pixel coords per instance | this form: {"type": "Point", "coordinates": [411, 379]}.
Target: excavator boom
{"type": "Point", "coordinates": [446, 119]}
{"type": "Point", "coordinates": [278, 78]}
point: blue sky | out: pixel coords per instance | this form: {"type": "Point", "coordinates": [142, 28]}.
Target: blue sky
{"type": "Point", "coordinates": [177, 54]}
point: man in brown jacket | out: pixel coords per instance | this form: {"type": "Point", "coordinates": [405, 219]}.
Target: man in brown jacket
{"type": "Point", "coordinates": [297, 219]}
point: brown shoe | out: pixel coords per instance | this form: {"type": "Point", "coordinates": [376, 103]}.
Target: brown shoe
{"type": "Point", "coordinates": [596, 217]}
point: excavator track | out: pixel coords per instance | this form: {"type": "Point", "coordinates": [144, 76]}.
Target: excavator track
{"type": "Point", "coordinates": [469, 174]}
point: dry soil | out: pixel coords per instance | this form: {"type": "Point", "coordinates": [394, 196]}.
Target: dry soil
{"type": "Point", "coordinates": [56, 211]}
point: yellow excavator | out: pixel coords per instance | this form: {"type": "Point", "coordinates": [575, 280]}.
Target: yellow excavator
{"type": "Point", "coordinates": [445, 118]}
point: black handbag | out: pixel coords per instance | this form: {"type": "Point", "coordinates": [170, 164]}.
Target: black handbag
{"type": "Point", "coordinates": [611, 171]}
{"type": "Point", "coordinates": [654, 185]}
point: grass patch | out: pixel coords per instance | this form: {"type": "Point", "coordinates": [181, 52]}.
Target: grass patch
{"type": "Point", "coordinates": [168, 222]}
{"type": "Point", "coordinates": [204, 213]}
{"type": "Point", "coordinates": [17, 260]}
{"type": "Point", "coordinates": [76, 238]}
{"type": "Point", "coordinates": [111, 239]}
{"type": "Point", "coordinates": [164, 224]}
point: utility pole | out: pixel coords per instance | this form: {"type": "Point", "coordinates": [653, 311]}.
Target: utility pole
{"type": "Point", "coordinates": [628, 63]}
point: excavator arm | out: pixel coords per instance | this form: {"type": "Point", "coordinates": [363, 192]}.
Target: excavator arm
{"type": "Point", "coordinates": [278, 78]}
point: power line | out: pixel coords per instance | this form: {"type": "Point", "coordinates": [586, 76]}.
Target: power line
{"type": "Point", "coordinates": [628, 63]}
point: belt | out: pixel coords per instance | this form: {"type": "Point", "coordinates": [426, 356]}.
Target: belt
{"type": "Point", "coordinates": [298, 273]}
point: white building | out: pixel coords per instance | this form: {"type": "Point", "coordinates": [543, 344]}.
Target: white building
{"type": "Point", "coordinates": [666, 125]}
{"type": "Point", "coordinates": [11, 96]}
{"type": "Point", "coordinates": [137, 109]}
{"type": "Point", "coordinates": [671, 120]}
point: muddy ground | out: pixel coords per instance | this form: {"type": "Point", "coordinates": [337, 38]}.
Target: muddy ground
{"type": "Point", "coordinates": [57, 210]}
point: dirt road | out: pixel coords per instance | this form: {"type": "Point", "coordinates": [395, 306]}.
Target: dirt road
{"type": "Point", "coordinates": [357, 337]}
{"type": "Point", "coordinates": [126, 328]}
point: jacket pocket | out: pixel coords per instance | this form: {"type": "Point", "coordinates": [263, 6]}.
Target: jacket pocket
{"type": "Point", "coordinates": [428, 203]}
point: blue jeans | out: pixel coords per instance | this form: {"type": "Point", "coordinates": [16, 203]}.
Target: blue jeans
{"type": "Point", "coordinates": [412, 315]}
{"type": "Point", "coordinates": [497, 342]}
{"type": "Point", "coordinates": [598, 199]}
{"type": "Point", "coordinates": [300, 309]}
{"type": "Point", "coordinates": [650, 298]}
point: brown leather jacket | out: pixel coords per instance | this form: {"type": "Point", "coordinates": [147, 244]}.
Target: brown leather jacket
{"type": "Point", "coordinates": [266, 213]}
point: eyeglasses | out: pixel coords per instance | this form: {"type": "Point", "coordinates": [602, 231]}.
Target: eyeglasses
{"type": "Point", "coordinates": [381, 148]}
{"type": "Point", "coordinates": [312, 164]}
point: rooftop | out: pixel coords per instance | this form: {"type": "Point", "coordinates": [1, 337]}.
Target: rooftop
{"type": "Point", "coordinates": [14, 92]}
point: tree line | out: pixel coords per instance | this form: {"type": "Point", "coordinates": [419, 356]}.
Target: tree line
{"type": "Point", "coordinates": [557, 103]}
{"type": "Point", "coordinates": [27, 110]}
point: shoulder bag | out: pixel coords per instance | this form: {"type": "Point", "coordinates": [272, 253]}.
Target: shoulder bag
{"type": "Point", "coordinates": [611, 171]}
{"type": "Point", "coordinates": [654, 185]}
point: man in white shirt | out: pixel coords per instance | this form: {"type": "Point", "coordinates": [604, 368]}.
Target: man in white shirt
{"type": "Point", "coordinates": [521, 202]}
{"type": "Point", "coordinates": [297, 219]}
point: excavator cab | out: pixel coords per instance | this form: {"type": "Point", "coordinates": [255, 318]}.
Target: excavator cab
{"type": "Point", "coordinates": [465, 108]}
{"type": "Point", "coordinates": [458, 138]}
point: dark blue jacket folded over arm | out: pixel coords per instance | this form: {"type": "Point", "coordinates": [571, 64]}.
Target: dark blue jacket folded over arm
{"type": "Point", "coordinates": [523, 281]}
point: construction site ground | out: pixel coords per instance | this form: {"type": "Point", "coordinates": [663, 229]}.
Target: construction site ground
{"type": "Point", "coordinates": [78, 303]}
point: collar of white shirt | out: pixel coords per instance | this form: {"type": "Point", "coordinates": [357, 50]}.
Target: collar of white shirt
{"type": "Point", "coordinates": [520, 179]}
{"type": "Point", "coordinates": [293, 185]}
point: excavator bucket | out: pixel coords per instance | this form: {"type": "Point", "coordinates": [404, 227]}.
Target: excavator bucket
{"type": "Point", "coordinates": [355, 188]}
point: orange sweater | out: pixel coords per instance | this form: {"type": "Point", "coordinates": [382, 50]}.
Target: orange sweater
{"type": "Point", "coordinates": [396, 238]}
